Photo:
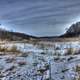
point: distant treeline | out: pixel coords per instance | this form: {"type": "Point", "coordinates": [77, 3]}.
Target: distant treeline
{"type": "Point", "coordinates": [10, 35]}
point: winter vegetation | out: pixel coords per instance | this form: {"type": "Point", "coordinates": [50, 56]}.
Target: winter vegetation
{"type": "Point", "coordinates": [39, 61]}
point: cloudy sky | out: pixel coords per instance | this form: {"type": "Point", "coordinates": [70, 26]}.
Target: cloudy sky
{"type": "Point", "coordinates": [39, 17]}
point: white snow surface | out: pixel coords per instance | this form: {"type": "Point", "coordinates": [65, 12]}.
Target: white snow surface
{"type": "Point", "coordinates": [40, 66]}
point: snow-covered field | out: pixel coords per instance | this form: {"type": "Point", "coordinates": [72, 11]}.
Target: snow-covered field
{"type": "Point", "coordinates": [39, 62]}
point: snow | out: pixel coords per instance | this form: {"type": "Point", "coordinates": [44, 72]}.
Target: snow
{"type": "Point", "coordinates": [37, 66]}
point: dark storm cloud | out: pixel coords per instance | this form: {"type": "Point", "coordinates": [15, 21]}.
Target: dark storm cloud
{"type": "Point", "coordinates": [39, 17]}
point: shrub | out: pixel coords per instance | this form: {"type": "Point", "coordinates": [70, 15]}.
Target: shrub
{"type": "Point", "coordinates": [24, 54]}
{"type": "Point", "coordinates": [7, 50]}
{"type": "Point", "coordinates": [3, 49]}
{"type": "Point", "coordinates": [14, 49]}
{"type": "Point", "coordinates": [21, 63]}
{"type": "Point", "coordinates": [69, 51]}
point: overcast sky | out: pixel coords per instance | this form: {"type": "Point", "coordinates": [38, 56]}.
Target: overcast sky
{"type": "Point", "coordinates": [39, 17]}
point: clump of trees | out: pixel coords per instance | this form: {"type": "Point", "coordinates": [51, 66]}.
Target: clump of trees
{"type": "Point", "coordinates": [14, 36]}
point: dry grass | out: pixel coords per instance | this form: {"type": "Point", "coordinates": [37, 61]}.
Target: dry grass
{"type": "Point", "coordinates": [70, 51]}
{"type": "Point", "coordinates": [78, 71]}
{"type": "Point", "coordinates": [12, 50]}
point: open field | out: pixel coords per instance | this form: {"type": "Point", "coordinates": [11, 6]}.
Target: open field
{"type": "Point", "coordinates": [41, 60]}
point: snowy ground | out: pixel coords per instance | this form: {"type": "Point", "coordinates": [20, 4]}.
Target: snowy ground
{"type": "Point", "coordinates": [38, 62]}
